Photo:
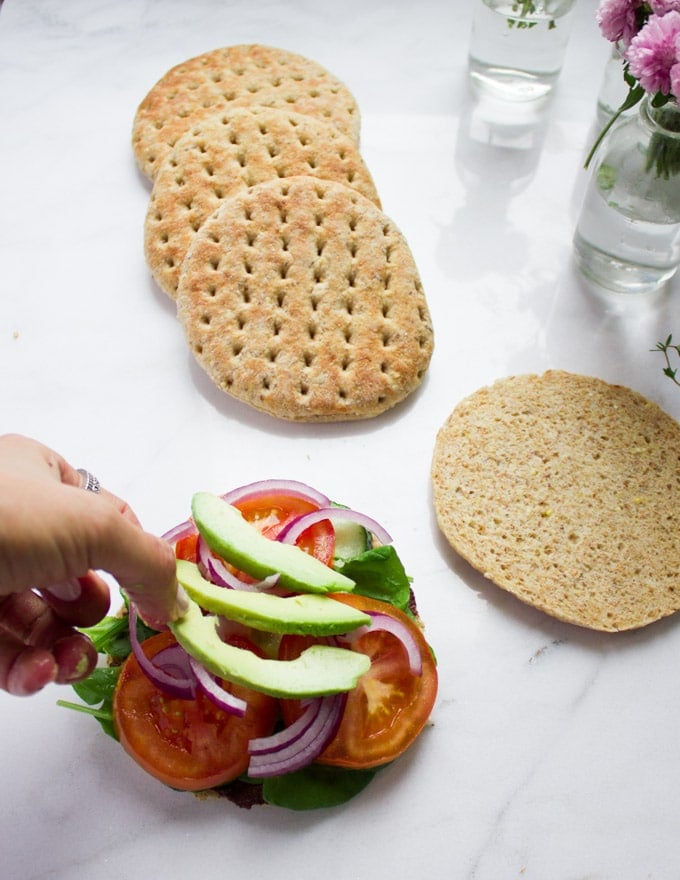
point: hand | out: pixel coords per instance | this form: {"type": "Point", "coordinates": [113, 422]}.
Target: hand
{"type": "Point", "coordinates": [53, 538]}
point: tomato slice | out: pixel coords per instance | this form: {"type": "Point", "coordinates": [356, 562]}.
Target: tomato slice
{"type": "Point", "coordinates": [186, 548]}
{"type": "Point", "coordinates": [389, 707]}
{"type": "Point", "coordinates": [270, 513]}
{"type": "Point", "coordinates": [187, 744]}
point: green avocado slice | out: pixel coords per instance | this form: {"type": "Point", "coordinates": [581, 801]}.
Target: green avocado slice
{"type": "Point", "coordinates": [319, 670]}
{"type": "Point", "coordinates": [239, 542]}
{"type": "Point", "coordinates": [307, 614]}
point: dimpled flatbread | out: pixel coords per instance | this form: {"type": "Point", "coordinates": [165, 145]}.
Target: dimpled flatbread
{"type": "Point", "coordinates": [227, 152]}
{"type": "Point", "coordinates": [236, 76]}
{"type": "Point", "coordinates": [302, 299]}
{"type": "Point", "coordinates": [564, 490]}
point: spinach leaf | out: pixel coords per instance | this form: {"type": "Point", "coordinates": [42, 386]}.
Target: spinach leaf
{"type": "Point", "coordinates": [315, 786]}
{"type": "Point", "coordinates": [111, 635]}
{"type": "Point", "coordinates": [379, 574]}
{"type": "Point", "coordinates": [97, 692]}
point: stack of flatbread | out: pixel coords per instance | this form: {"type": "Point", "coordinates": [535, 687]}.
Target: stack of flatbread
{"type": "Point", "coordinates": [296, 293]}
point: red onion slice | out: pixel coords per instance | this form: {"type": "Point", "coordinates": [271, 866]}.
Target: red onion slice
{"type": "Point", "coordinates": [272, 487]}
{"type": "Point", "coordinates": [182, 687]}
{"type": "Point", "coordinates": [175, 661]}
{"type": "Point", "coordinates": [180, 531]}
{"type": "Point", "coordinates": [214, 570]}
{"type": "Point", "coordinates": [265, 745]}
{"type": "Point", "coordinates": [304, 743]}
{"type": "Point", "coordinates": [291, 532]}
{"type": "Point", "coordinates": [221, 697]}
{"type": "Point", "coordinates": [386, 623]}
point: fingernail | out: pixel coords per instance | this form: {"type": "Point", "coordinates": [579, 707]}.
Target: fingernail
{"type": "Point", "coordinates": [67, 591]}
{"type": "Point", "coordinates": [76, 657]}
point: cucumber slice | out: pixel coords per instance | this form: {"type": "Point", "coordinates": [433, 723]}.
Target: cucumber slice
{"type": "Point", "coordinates": [351, 540]}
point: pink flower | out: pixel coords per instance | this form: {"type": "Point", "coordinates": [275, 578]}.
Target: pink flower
{"type": "Point", "coordinates": [617, 19]}
{"type": "Point", "coordinates": [675, 81]}
{"type": "Point", "coordinates": [661, 7]}
{"type": "Point", "coordinates": [653, 52]}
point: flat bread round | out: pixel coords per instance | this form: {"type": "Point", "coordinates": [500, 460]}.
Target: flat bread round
{"type": "Point", "coordinates": [236, 76]}
{"type": "Point", "coordinates": [564, 490]}
{"type": "Point", "coordinates": [302, 299]}
{"type": "Point", "coordinates": [227, 152]}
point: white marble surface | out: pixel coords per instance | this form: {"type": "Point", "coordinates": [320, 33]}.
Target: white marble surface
{"type": "Point", "coordinates": [553, 753]}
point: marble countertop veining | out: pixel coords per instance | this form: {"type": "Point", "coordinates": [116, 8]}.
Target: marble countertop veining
{"type": "Point", "coordinates": [553, 751]}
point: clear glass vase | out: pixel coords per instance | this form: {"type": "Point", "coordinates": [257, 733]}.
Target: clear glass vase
{"type": "Point", "coordinates": [517, 47]}
{"type": "Point", "coordinates": [613, 88]}
{"type": "Point", "coordinates": [628, 234]}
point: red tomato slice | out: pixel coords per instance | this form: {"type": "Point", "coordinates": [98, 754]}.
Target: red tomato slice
{"type": "Point", "coordinates": [187, 744]}
{"type": "Point", "coordinates": [389, 707]}
{"type": "Point", "coordinates": [270, 513]}
{"type": "Point", "coordinates": [186, 548]}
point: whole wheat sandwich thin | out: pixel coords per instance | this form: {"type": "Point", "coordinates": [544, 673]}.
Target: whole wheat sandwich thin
{"type": "Point", "coordinates": [302, 299]}
{"type": "Point", "coordinates": [236, 76]}
{"type": "Point", "coordinates": [565, 490]}
{"type": "Point", "coordinates": [227, 152]}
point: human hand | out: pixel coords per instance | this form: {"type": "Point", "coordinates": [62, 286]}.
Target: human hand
{"type": "Point", "coordinates": [53, 538]}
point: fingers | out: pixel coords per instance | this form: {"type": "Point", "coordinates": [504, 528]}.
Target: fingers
{"type": "Point", "coordinates": [59, 535]}
{"type": "Point", "coordinates": [37, 647]}
{"type": "Point", "coordinates": [145, 567]}
{"type": "Point", "coordinates": [25, 671]}
{"type": "Point", "coordinates": [79, 601]}
{"type": "Point", "coordinates": [75, 656]}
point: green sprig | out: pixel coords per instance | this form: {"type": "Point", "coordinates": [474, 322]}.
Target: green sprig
{"type": "Point", "coordinates": [669, 349]}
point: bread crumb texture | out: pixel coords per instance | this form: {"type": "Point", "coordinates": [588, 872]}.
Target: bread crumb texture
{"type": "Point", "coordinates": [564, 490]}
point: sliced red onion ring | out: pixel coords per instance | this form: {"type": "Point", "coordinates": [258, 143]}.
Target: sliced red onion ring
{"type": "Point", "coordinates": [269, 487]}
{"type": "Point", "coordinates": [180, 531]}
{"type": "Point", "coordinates": [221, 697]}
{"type": "Point", "coordinates": [302, 742]}
{"type": "Point", "coordinates": [175, 661]}
{"type": "Point", "coordinates": [182, 687]}
{"type": "Point", "coordinates": [214, 570]}
{"type": "Point", "coordinates": [291, 532]}
{"type": "Point", "coordinates": [385, 622]}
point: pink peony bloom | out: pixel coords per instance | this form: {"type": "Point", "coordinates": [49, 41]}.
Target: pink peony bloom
{"type": "Point", "coordinates": [675, 81]}
{"type": "Point", "coordinates": [661, 7]}
{"type": "Point", "coordinates": [653, 52]}
{"type": "Point", "coordinates": [617, 19]}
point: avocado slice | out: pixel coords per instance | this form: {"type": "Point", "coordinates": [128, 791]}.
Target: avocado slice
{"type": "Point", "coordinates": [307, 614]}
{"type": "Point", "coordinates": [240, 543]}
{"type": "Point", "coordinates": [319, 670]}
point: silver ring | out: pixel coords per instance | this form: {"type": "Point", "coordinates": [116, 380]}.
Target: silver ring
{"type": "Point", "coordinates": [90, 482]}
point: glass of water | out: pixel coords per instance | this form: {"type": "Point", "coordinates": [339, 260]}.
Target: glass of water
{"type": "Point", "coordinates": [517, 47]}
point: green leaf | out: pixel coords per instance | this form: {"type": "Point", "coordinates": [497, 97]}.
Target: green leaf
{"type": "Point", "coordinates": [379, 574]}
{"type": "Point", "coordinates": [111, 635]}
{"type": "Point", "coordinates": [666, 348]}
{"type": "Point", "coordinates": [97, 692]}
{"type": "Point", "coordinates": [99, 686]}
{"type": "Point", "coordinates": [315, 787]}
